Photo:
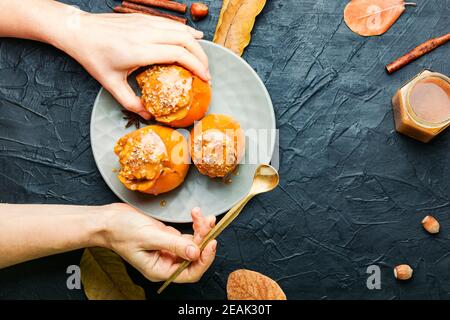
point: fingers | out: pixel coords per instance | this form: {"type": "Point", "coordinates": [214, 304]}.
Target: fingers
{"type": "Point", "coordinates": [172, 230]}
{"type": "Point", "coordinates": [152, 21]}
{"type": "Point", "coordinates": [123, 93]}
{"type": "Point", "coordinates": [168, 54]}
{"type": "Point", "coordinates": [175, 26]}
{"type": "Point", "coordinates": [177, 244]}
{"type": "Point", "coordinates": [172, 245]}
{"type": "Point", "coordinates": [196, 270]}
{"type": "Point", "coordinates": [211, 221]}
{"type": "Point", "coordinates": [167, 24]}
{"type": "Point", "coordinates": [183, 39]}
{"type": "Point", "coordinates": [201, 225]}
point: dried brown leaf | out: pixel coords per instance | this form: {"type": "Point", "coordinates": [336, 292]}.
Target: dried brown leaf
{"type": "Point", "coordinates": [373, 17]}
{"type": "Point", "coordinates": [250, 285]}
{"type": "Point", "coordinates": [236, 22]}
{"type": "Point", "coordinates": [105, 277]}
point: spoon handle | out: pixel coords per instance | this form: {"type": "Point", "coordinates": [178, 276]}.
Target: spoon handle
{"type": "Point", "coordinates": [225, 221]}
{"type": "Point", "coordinates": [214, 233]}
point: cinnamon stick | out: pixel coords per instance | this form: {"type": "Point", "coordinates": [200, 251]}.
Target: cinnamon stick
{"type": "Point", "coordinates": [151, 11]}
{"type": "Point", "coordinates": [163, 4]}
{"type": "Point", "coordinates": [127, 7]}
{"type": "Point", "coordinates": [417, 52]}
{"type": "Point", "coordinates": [120, 9]}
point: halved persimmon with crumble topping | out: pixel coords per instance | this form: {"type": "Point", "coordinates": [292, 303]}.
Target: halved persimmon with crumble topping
{"type": "Point", "coordinates": [173, 95]}
{"type": "Point", "coordinates": [153, 159]}
{"type": "Point", "coordinates": [217, 145]}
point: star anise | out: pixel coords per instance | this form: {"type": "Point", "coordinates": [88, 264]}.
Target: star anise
{"type": "Point", "coordinates": [133, 119]}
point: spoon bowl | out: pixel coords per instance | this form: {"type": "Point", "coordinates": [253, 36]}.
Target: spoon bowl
{"type": "Point", "coordinates": [266, 179]}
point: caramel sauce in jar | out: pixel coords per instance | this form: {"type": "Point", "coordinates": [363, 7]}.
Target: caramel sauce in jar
{"type": "Point", "coordinates": [422, 106]}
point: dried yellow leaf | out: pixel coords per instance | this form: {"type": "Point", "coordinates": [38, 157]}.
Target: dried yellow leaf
{"type": "Point", "coordinates": [236, 22]}
{"type": "Point", "coordinates": [104, 277]}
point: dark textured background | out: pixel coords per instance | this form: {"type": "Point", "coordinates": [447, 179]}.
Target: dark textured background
{"type": "Point", "coordinates": [353, 191]}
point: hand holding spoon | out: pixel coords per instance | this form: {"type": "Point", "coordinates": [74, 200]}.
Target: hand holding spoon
{"type": "Point", "coordinates": [266, 179]}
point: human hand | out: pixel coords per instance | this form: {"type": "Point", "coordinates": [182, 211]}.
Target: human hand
{"type": "Point", "coordinates": [111, 46]}
{"type": "Point", "coordinates": [155, 249]}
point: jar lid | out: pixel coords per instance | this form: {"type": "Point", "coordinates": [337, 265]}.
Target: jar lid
{"type": "Point", "coordinates": [428, 99]}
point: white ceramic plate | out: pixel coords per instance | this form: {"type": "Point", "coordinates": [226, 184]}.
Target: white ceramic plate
{"type": "Point", "coordinates": [238, 92]}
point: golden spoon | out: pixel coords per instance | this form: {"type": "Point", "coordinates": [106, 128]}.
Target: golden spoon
{"type": "Point", "coordinates": [266, 179]}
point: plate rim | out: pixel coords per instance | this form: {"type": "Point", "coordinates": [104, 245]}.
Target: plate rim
{"type": "Point", "coordinates": [179, 221]}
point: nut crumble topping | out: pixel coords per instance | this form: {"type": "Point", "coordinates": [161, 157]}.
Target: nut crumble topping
{"type": "Point", "coordinates": [142, 157]}
{"type": "Point", "coordinates": [215, 153]}
{"type": "Point", "coordinates": [165, 89]}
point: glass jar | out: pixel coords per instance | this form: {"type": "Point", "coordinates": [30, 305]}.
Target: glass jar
{"type": "Point", "coordinates": [422, 106]}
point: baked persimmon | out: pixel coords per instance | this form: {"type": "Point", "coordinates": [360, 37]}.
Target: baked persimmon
{"type": "Point", "coordinates": [217, 145]}
{"type": "Point", "coordinates": [153, 159]}
{"type": "Point", "coordinates": [173, 95]}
